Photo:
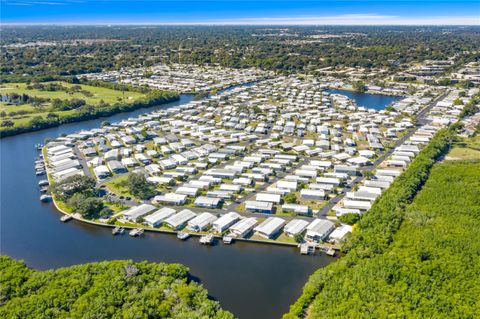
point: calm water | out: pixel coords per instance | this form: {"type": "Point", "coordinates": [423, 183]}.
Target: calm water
{"type": "Point", "coordinates": [251, 280]}
{"type": "Point", "coordinates": [371, 101]}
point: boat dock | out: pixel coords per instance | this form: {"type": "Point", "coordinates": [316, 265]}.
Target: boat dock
{"type": "Point", "coordinates": [207, 239]}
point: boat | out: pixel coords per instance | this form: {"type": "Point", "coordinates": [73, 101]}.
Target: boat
{"type": "Point", "coordinates": [44, 189]}
{"type": "Point", "coordinates": [136, 232]}
{"type": "Point", "coordinates": [307, 249]}
{"type": "Point", "coordinates": [65, 218]}
{"type": "Point", "coordinates": [207, 239]}
{"type": "Point", "coordinates": [45, 198]}
{"type": "Point", "coordinates": [39, 146]}
{"type": "Point", "coordinates": [40, 172]}
{"type": "Point", "coordinates": [118, 230]}
{"type": "Point", "coordinates": [182, 235]}
{"type": "Point", "coordinates": [330, 252]}
{"type": "Point", "coordinates": [43, 182]}
{"type": "Point", "coordinates": [227, 240]}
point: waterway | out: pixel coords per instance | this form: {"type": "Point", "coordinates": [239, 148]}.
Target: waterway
{"type": "Point", "coordinates": [251, 280]}
{"type": "Point", "coordinates": [368, 100]}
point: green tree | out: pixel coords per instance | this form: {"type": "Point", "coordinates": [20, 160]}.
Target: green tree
{"type": "Point", "coordinates": [290, 198]}
{"type": "Point", "coordinates": [359, 86]}
{"type": "Point", "coordinates": [88, 207]}
{"type": "Point", "coordinates": [73, 185]}
{"type": "Point", "coordinates": [139, 187]}
{"type": "Point", "coordinates": [7, 123]}
{"type": "Point", "coordinates": [349, 218]}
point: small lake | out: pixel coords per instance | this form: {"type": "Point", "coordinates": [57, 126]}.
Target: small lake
{"type": "Point", "coordinates": [251, 280]}
{"type": "Point", "coordinates": [368, 100]}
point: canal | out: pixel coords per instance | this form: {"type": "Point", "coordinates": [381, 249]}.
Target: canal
{"type": "Point", "coordinates": [250, 280]}
{"type": "Point", "coordinates": [368, 100]}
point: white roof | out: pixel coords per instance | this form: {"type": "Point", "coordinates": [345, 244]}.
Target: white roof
{"type": "Point", "coordinates": [226, 219]}
{"type": "Point", "coordinates": [244, 225]}
{"type": "Point", "coordinates": [159, 215]}
{"type": "Point", "coordinates": [265, 197]}
{"type": "Point", "coordinates": [138, 211]}
{"type": "Point", "coordinates": [340, 232]}
{"type": "Point", "coordinates": [320, 226]}
{"type": "Point", "coordinates": [270, 225]}
{"type": "Point", "coordinates": [202, 220]}
{"type": "Point", "coordinates": [180, 218]}
{"type": "Point", "coordinates": [295, 226]}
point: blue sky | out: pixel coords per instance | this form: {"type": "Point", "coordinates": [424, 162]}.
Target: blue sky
{"type": "Point", "coordinates": [279, 12]}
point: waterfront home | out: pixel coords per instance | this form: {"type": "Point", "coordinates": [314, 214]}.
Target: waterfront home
{"type": "Point", "coordinates": [339, 233]}
{"type": "Point", "coordinates": [225, 221]}
{"type": "Point", "coordinates": [295, 227]}
{"type": "Point", "coordinates": [179, 220]}
{"type": "Point", "coordinates": [269, 227]}
{"type": "Point", "coordinates": [58, 176]}
{"type": "Point", "coordinates": [319, 229]}
{"type": "Point", "coordinates": [134, 213]}
{"type": "Point", "coordinates": [156, 219]}
{"type": "Point", "coordinates": [243, 227]}
{"type": "Point", "coordinates": [201, 222]}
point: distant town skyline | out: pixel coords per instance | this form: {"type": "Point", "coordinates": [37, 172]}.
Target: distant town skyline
{"type": "Point", "coordinates": [245, 12]}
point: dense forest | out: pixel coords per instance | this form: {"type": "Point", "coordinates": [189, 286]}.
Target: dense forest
{"type": "Point", "coordinates": [74, 50]}
{"type": "Point", "coordinates": [417, 260]}
{"type": "Point", "coordinates": [110, 289]}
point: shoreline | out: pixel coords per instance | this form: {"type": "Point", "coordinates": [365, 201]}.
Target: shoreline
{"type": "Point", "coordinates": [75, 118]}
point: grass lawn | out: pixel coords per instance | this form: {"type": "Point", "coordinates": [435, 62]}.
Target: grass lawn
{"type": "Point", "coordinates": [98, 94]}
{"type": "Point", "coordinates": [465, 149]}
{"type": "Point", "coordinates": [116, 186]}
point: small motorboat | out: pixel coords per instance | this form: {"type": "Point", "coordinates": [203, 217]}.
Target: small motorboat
{"type": "Point", "coordinates": [45, 198]}
{"type": "Point", "coordinates": [330, 252]}
{"type": "Point", "coordinates": [43, 182]}
{"type": "Point", "coordinates": [65, 218]}
{"type": "Point", "coordinates": [39, 146]}
{"type": "Point", "coordinates": [182, 235]}
{"type": "Point", "coordinates": [227, 240]}
{"type": "Point", "coordinates": [40, 172]}
{"type": "Point", "coordinates": [136, 232]}
{"type": "Point", "coordinates": [118, 230]}
{"type": "Point", "coordinates": [206, 240]}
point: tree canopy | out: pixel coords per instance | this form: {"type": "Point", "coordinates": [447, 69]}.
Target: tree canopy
{"type": "Point", "coordinates": [109, 289]}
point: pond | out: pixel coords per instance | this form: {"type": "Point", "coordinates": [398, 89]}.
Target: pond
{"type": "Point", "coordinates": [368, 100]}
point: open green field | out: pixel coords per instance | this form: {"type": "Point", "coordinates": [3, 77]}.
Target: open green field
{"type": "Point", "coordinates": [95, 97]}
{"type": "Point", "coordinates": [465, 149]}
{"type": "Point", "coordinates": [117, 186]}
